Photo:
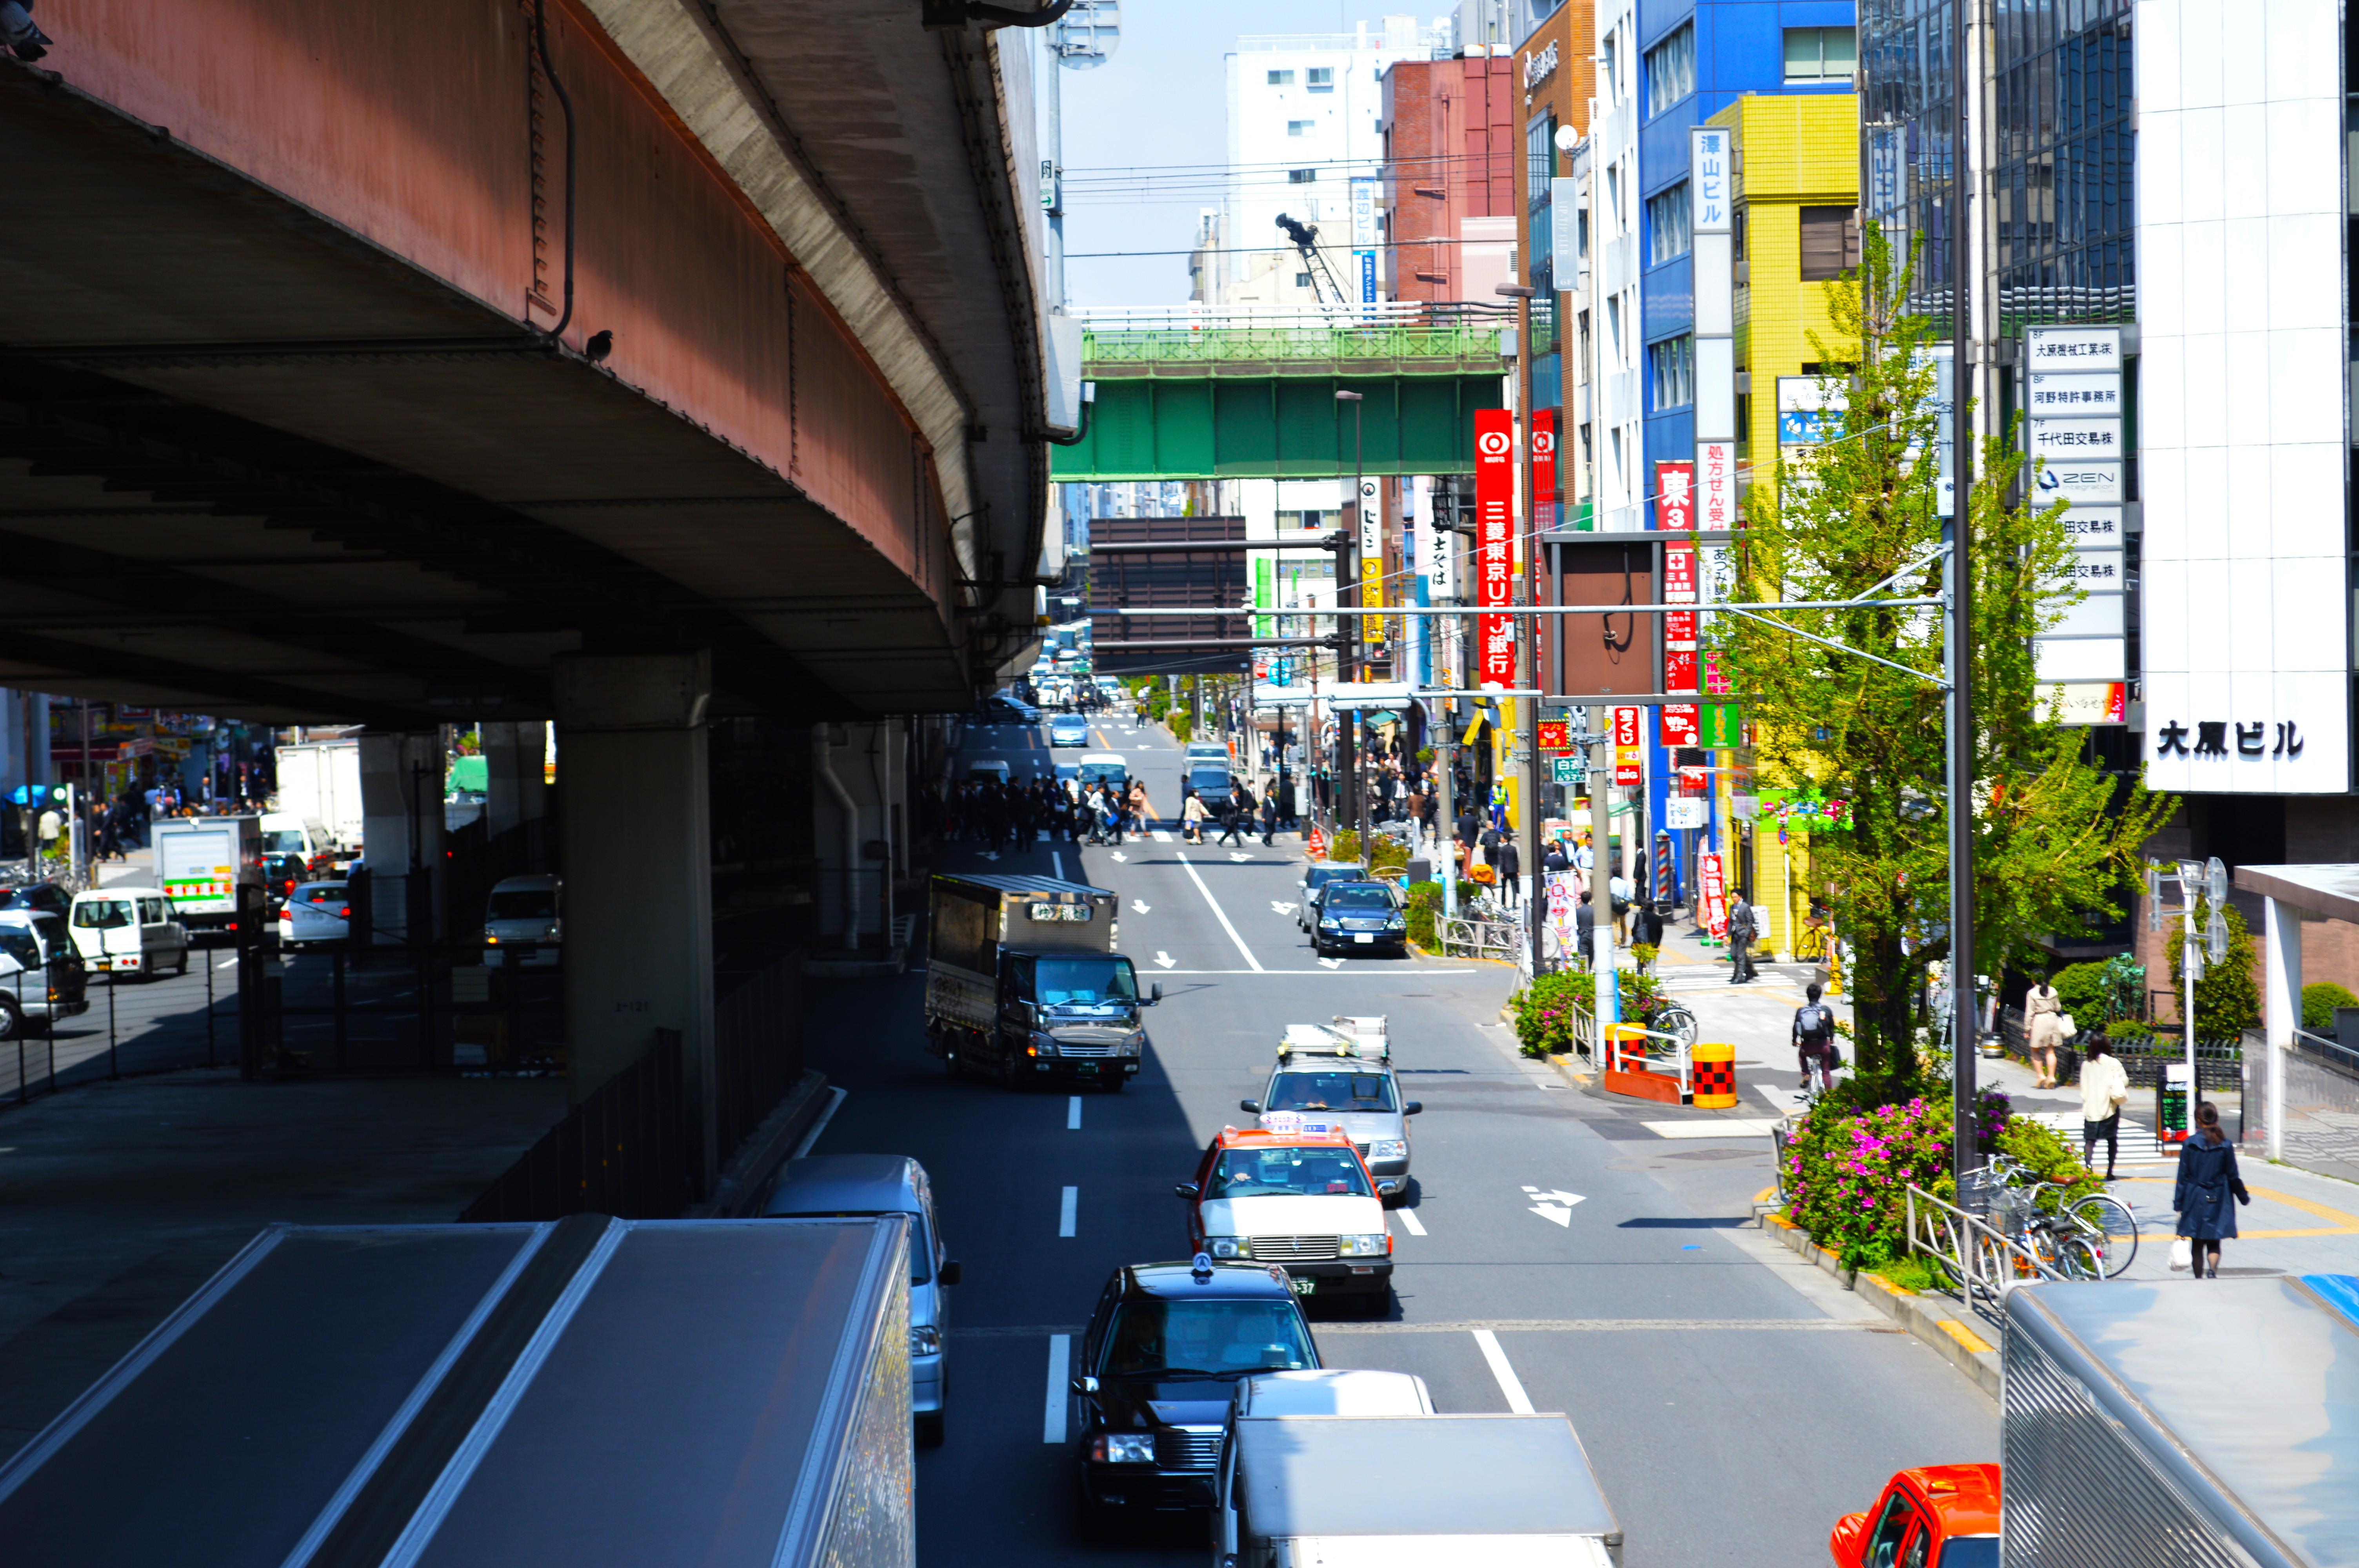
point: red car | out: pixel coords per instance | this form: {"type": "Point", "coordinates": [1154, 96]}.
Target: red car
{"type": "Point", "coordinates": [1940, 1515]}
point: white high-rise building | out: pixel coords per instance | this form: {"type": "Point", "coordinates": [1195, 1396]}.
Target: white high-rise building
{"type": "Point", "coordinates": [1305, 140]}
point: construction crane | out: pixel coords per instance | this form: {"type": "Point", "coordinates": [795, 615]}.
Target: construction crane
{"type": "Point", "coordinates": [1306, 240]}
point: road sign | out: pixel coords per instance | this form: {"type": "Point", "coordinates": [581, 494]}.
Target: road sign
{"type": "Point", "coordinates": [1567, 770]}
{"type": "Point", "coordinates": [1720, 725]}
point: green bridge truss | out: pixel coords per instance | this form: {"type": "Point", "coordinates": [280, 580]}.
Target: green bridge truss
{"type": "Point", "coordinates": [1234, 402]}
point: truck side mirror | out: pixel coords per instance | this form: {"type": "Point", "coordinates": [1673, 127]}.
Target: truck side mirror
{"type": "Point", "coordinates": [1155, 993]}
{"type": "Point", "coordinates": [950, 1271]}
{"type": "Point", "coordinates": [1085, 1385]}
{"type": "Point", "coordinates": [1252, 1105]}
{"type": "Point", "coordinates": [1412, 1108]}
{"type": "Point", "coordinates": [1188, 1190]}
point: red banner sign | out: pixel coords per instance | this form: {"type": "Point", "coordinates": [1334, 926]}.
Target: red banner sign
{"type": "Point", "coordinates": [1625, 747]}
{"type": "Point", "coordinates": [1556, 735]}
{"type": "Point", "coordinates": [1543, 459]}
{"type": "Point", "coordinates": [1494, 501]}
{"type": "Point", "coordinates": [1678, 625]}
{"type": "Point", "coordinates": [1679, 724]}
{"type": "Point", "coordinates": [1675, 496]}
{"type": "Point", "coordinates": [1713, 892]}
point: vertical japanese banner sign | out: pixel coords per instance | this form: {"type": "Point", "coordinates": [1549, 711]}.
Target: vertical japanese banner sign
{"type": "Point", "coordinates": [1371, 568]}
{"type": "Point", "coordinates": [1364, 237]}
{"type": "Point", "coordinates": [1495, 502]}
{"type": "Point", "coordinates": [1679, 642]}
{"type": "Point", "coordinates": [1713, 893]}
{"type": "Point", "coordinates": [1626, 748]}
{"type": "Point", "coordinates": [1544, 469]}
{"type": "Point", "coordinates": [1675, 496]}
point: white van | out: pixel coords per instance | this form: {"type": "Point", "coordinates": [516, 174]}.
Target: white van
{"type": "Point", "coordinates": [523, 923]}
{"type": "Point", "coordinates": [41, 976]}
{"type": "Point", "coordinates": [133, 930]}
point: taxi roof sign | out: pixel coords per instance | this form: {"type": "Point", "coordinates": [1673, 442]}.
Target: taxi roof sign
{"type": "Point", "coordinates": [1364, 1037]}
{"type": "Point", "coordinates": [1283, 1128]}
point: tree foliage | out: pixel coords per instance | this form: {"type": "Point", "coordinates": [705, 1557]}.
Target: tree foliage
{"type": "Point", "coordinates": [2227, 995]}
{"type": "Point", "coordinates": [1858, 519]}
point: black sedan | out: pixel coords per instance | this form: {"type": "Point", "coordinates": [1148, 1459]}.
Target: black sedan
{"type": "Point", "coordinates": [1167, 1343]}
{"type": "Point", "coordinates": [1360, 914]}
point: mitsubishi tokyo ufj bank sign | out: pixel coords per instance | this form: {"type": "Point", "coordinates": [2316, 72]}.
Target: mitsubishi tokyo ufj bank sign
{"type": "Point", "coordinates": [1494, 511]}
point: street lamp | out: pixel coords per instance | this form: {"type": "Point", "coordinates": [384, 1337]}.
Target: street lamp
{"type": "Point", "coordinates": [1528, 664]}
{"type": "Point", "coordinates": [2213, 877]}
{"type": "Point", "coordinates": [1347, 637]}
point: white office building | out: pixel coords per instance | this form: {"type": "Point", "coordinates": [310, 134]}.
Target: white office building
{"type": "Point", "coordinates": [1305, 141]}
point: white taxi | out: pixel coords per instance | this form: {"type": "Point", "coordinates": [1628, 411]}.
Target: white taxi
{"type": "Point", "coordinates": [1294, 1191]}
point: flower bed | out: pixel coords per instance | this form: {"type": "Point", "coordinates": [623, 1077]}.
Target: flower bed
{"type": "Point", "coordinates": [1544, 1010]}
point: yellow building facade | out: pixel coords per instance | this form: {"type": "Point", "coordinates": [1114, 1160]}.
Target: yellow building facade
{"type": "Point", "coordinates": [1796, 217]}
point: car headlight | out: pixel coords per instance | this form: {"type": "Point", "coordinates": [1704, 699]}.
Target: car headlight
{"type": "Point", "coordinates": [1042, 1045]}
{"type": "Point", "coordinates": [1330, 922]}
{"type": "Point", "coordinates": [1135, 1044]}
{"type": "Point", "coordinates": [1388, 1148]}
{"type": "Point", "coordinates": [926, 1341]}
{"type": "Point", "coordinates": [1229, 1245]}
{"type": "Point", "coordinates": [1375, 1245]}
{"type": "Point", "coordinates": [1396, 924]}
{"type": "Point", "coordinates": [1124, 1448]}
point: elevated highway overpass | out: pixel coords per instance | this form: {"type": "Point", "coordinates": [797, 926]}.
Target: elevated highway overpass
{"type": "Point", "coordinates": [623, 363]}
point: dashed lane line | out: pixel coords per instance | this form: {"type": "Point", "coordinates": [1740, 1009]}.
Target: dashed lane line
{"type": "Point", "coordinates": [1068, 1210]}
{"type": "Point", "coordinates": [1220, 915]}
{"type": "Point", "coordinates": [1410, 1221]}
{"type": "Point", "coordinates": [1487, 1341]}
{"type": "Point", "coordinates": [1073, 1114]}
{"type": "Point", "coordinates": [1060, 1362]}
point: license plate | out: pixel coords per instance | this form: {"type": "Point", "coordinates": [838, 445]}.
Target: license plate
{"type": "Point", "coordinates": [1365, 936]}
{"type": "Point", "coordinates": [1086, 1068]}
{"type": "Point", "coordinates": [1303, 1287]}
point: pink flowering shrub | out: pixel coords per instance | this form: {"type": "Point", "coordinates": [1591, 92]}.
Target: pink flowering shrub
{"type": "Point", "coordinates": [1846, 1171]}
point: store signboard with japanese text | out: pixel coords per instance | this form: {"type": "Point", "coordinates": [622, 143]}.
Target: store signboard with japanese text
{"type": "Point", "coordinates": [1679, 721]}
{"type": "Point", "coordinates": [1675, 496]}
{"type": "Point", "coordinates": [2081, 349]}
{"type": "Point", "coordinates": [1543, 460]}
{"type": "Point", "coordinates": [1629, 740]}
{"type": "Point", "coordinates": [1494, 501]}
{"type": "Point", "coordinates": [2075, 395]}
{"type": "Point", "coordinates": [1715, 485]}
{"type": "Point", "coordinates": [1713, 892]}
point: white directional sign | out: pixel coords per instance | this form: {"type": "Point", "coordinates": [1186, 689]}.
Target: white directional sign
{"type": "Point", "coordinates": [1554, 1206]}
{"type": "Point", "coordinates": [1166, 959]}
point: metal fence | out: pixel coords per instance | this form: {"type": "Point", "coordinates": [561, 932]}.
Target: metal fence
{"type": "Point", "coordinates": [624, 1151]}
{"type": "Point", "coordinates": [2321, 1107]}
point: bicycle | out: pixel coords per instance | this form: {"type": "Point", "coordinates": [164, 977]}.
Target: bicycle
{"type": "Point", "coordinates": [2093, 1236]}
{"type": "Point", "coordinates": [1811, 945]}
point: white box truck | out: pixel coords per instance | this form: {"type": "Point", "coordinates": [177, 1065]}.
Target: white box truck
{"type": "Point", "coordinates": [320, 784]}
{"type": "Point", "coordinates": [201, 861]}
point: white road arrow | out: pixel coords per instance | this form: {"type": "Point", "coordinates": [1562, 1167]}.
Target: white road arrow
{"type": "Point", "coordinates": [1234, 855]}
{"type": "Point", "coordinates": [1333, 962]}
{"type": "Point", "coordinates": [991, 854]}
{"type": "Point", "coordinates": [1281, 908]}
{"type": "Point", "coordinates": [1166, 959]}
{"type": "Point", "coordinates": [1120, 856]}
{"type": "Point", "coordinates": [1554, 1206]}
{"type": "Point", "coordinates": [1139, 906]}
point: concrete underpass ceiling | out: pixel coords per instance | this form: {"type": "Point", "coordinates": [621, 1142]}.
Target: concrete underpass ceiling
{"type": "Point", "coordinates": [396, 534]}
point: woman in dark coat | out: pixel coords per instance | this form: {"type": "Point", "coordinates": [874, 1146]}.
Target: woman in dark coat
{"type": "Point", "coordinates": [2207, 1179]}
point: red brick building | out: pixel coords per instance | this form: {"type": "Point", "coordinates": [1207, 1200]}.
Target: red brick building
{"type": "Point", "coordinates": [1451, 134]}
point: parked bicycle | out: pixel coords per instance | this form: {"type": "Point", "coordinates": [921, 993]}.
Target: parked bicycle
{"type": "Point", "coordinates": [2093, 1236]}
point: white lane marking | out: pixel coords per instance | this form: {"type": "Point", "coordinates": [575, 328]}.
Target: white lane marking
{"type": "Point", "coordinates": [1488, 1343]}
{"type": "Point", "coordinates": [1277, 908]}
{"type": "Point", "coordinates": [226, 964]}
{"type": "Point", "coordinates": [1220, 915]}
{"type": "Point", "coordinates": [1073, 1114]}
{"type": "Point", "coordinates": [1165, 960]}
{"type": "Point", "coordinates": [1407, 1217]}
{"type": "Point", "coordinates": [991, 854]}
{"type": "Point", "coordinates": [820, 1126]}
{"type": "Point", "coordinates": [1120, 856]}
{"type": "Point", "coordinates": [1718, 1127]}
{"type": "Point", "coordinates": [1067, 1210]}
{"type": "Point", "coordinates": [1331, 964]}
{"type": "Point", "coordinates": [1138, 904]}
{"type": "Point", "coordinates": [1555, 1207]}
{"type": "Point", "coordinates": [1061, 1364]}
{"type": "Point", "coordinates": [1234, 855]}
{"type": "Point", "coordinates": [1160, 836]}
{"type": "Point", "coordinates": [1057, 864]}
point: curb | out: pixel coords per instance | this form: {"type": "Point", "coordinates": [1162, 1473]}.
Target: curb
{"type": "Point", "coordinates": [746, 1181]}
{"type": "Point", "coordinates": [1927, 1317]}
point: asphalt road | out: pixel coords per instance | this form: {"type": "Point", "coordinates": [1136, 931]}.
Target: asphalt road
{"type": "Point", "coordinates": [1555, 1254]}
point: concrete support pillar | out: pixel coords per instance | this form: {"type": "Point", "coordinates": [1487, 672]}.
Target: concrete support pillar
{"type": "Point", "coordinates": [636, 849]}
{"type": "Point", "coordinates": [2281, 1007]}
{"type": "Point", "coordinates": [401, 830]}
{"type": "Point", "coordinates": [515, 787]}
{"type": "Point", "coordinates": [860, 827]}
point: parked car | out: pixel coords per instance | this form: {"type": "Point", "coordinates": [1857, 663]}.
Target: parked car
{"type": "Point", "coordinates": [1354, 914]}
{"type": "Point", "coordinates": [1155, 1373]}
{"type": "Point", "coordinates": [129, 930]}
{"type": "Point", "coordinates": [315, 912]}
{"type": "Point", "coordinates": [44, 979]}
{"type": "Point", "coordinates": [524, 921]}
{"type": "Point", "coordinates": [1315, 877]}
{"type": "Point", "coordinates": [1068, 729]}
{"type": "Point", "coordinates": [841, 1184]}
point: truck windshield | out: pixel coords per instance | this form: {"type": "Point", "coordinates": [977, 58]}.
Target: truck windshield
{"type": "Point", "coordinates": [525, 904]}
{"type": "Point", "coordinates": [1084, 980]}
{"type": "Point", "coordinates": [1332, 1091]}
{"type": "Point", "coordinates": [102, 914]}
{"type": "Point", "coordinates": [283, 841]}
{"type": "Point", "coordinates": [1151, 1338]}
{"type": "Point", "coordinates": [1317, 1170]}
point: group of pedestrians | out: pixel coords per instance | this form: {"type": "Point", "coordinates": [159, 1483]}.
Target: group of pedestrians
{"type": "Point", "coordinates": [1001, 814]}
{"type": "Point", "coordinates": [1238, 814]}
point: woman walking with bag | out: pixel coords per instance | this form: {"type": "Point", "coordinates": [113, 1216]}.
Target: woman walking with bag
{"type": "Point", "coordinates": [2207, 1179]}
{"type": "Point", "coordinates": [2043, 1031]}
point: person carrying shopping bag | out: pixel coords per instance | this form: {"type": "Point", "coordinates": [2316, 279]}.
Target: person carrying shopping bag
{"type": "Point", "coordinates": [1192, 818]}
{"type": "Point", "coordinates": [2207, 1180]}
{"type": "Point", "coordinates": [2043, 1031]}
{"type": "Point", "coordinates": [2104, 1087]}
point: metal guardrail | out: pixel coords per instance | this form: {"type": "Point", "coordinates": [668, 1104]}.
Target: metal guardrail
{"type": "Point", "coordinates": [1980, 1257]}
{"type": "Point", "coordinates": [1449, 344]}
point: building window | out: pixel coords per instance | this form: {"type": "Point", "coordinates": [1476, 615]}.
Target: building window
{"type": "Point", "coordinates": [1281, 79]}
{"type": "Point", "coordinates": [1299, 128]}
{"type": "Point", "coordinates": [1670, 222]}
{"type": "Point", "coordinates": [1670, 67]}
{"type": "Point", "coordinates": [1672, 362]}
{"type": "Point", "coordinates": [1539, 160]}
{"type": "Point", "coordinates": [1319, 76]}
{"type": "Point", "coordinates": [1301, 280]}
{"type": "Point", "coordinates": [1302, 176]}
{"type": "Point", "coordinates": [1821, 54]}
{"type": "Point", "coordinates": [1830, 242]}
{"type": "Point", "coordinates": [1609, 69]}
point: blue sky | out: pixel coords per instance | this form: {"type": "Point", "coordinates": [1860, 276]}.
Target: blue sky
{"type": "Point", "coordinates": [1160, 101]}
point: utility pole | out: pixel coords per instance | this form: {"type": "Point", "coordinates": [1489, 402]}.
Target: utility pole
{"type": "Point", "coordinates": [1348, 634]}
{"type": "Point", "coordinates": [1964, 1013]}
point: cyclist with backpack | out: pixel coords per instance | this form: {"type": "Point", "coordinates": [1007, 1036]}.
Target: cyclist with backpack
{"type": "Point", "coordinates": [1814, 1040]}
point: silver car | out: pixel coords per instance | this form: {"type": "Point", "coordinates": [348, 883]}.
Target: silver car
{"type": "Point", "coordinates": [1315, 876]}
{"type": "Point", "coordinates": [826, 1185]}
{"type": "Point", "coordinates": [1343, 1073]}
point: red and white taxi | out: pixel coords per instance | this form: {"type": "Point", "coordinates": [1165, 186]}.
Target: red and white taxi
{"type": "Point", "coordinates": [1295, 1193]}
